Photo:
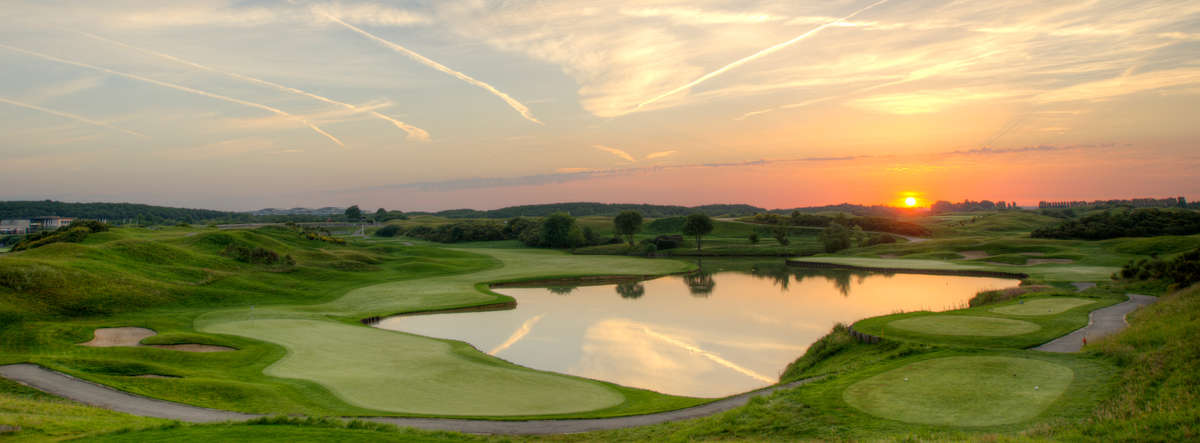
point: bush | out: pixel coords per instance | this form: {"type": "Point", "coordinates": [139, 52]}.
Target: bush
{"type": "Point", "coordinates": [389, 231]}
{"type": "Point", "coordinates": [1181, 272]}
{"type": "Point", "coordinates": [835, 238]}
{"type": "Point", "coordinates": [256, 255]}
{"type": "Point", "coordinates": [76, 232]}
{"type": "Point", "coordinates": [753, 237]}
{"type": "Point", "coordinates": [879, 239]}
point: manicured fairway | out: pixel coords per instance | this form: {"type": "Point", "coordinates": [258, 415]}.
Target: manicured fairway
{"type": "Point", "coordinates": [962, 391]}
{"type": "Point", "coordinates": [964, 325]}
{"type": "Point", "coordinates": [404, 373]}
{"type": "Point", "coordinates": [399, 372]}
{"type": "Point", "coordinates": [1043, 306]}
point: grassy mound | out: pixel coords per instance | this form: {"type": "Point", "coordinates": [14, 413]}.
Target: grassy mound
{"type": "Point", "coordinates": [964, 325]}
{"type": "Point", "coordinates": [1044, 306]}
{"type": "Point", "coordinates": [963, 391]}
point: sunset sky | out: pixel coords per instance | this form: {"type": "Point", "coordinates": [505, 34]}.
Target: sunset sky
{"type": "Point", "coordinates": [426, 105]}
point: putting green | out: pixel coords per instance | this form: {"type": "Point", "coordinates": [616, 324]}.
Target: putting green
{"type": "Point", "coordinates": [1043, 306]}
{"type": "Point", "coordinates": [399, 372]}
{"type": "Point", "coordinates": [962, 391]}
{"type": "Point", "coordinates": [964, 325]}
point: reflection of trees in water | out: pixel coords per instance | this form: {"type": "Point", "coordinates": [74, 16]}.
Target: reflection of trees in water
{"type": "Point", "coordinates": [562, 290]}
{"type": "Point", "coordinates": [631, 290]}
{"type": "Point", "coordinates": [700, 283]}
{"type": "Point", "coordinates": [781, 275]}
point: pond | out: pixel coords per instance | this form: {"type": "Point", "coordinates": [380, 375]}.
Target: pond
{"type": "Point", "coordinates": [731, 328]}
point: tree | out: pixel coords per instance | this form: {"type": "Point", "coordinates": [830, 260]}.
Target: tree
{"type": "Point", "coordinates": [697, 225]}
{"type": "Point", "coordinates": [559, 230]}
{"type": "Point", "coordinates": [781, 235]}
{"type": "Point", "coordinates": [628, 223]}
{"type": "Point", "coordinates": [700, 283]}
{"type": "Point", "coordinates": [836, 237]}
{"type": "Point", "coordinates": [753, 238]}
{"type": "Point", "coordinates": [381, 215]}
{"type": "Point", "coordinates": [354, 214]}
{"type": "Point", "coordinates": [858, 236]}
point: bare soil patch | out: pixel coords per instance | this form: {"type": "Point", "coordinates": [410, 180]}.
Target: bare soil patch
{"type": "Point", "coordinates": [5, 429]}
{"type": "Point", "coordinates": [1034, 254]}
{"type": "Point", "coordinates": [132, 337]}
{"type": "Point", "coordinates": [973, 255]}
{"type": "Point", "coordinates": [888, 255]}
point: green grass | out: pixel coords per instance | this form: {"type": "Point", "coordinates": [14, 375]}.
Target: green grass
{"type": "Point", "coordinates": [44, 417]}
{"type": "Point", "coordinates": [175, 282]}
{"type": "Point", "coordinates": [963, 391]}
{"type": "Point", "coordinates": [1045, 272]}
{"type": "Point", "coordinates": [963, 325]}
{"type": "Point", "coordinates": [389, 371]}
{"type": "Point", "coordinates": [990, 326]}
{"type": "Point", "coordinates": [1043, 306]}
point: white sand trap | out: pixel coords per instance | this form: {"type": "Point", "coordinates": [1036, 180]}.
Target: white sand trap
{"type": "Point", "coordinates": [973, 255]}
{"type": "Point", "coordinates": [113, 337]}
{"type": "Point", "coordinates": [132, 337]}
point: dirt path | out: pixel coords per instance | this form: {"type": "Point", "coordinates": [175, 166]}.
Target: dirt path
{"type": "Point", "coordinates": [1101, 322]}
{"type": "Point", "coordinates": [63, 385]}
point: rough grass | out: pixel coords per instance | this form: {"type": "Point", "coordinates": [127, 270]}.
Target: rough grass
{"type": "Point", "coordinates": [963, 391]}
{"type": "Point", "coordinates": [1043, 306]}
{"type": "Point", "coordinates": [1043, 272]}
{"type": "Point", "coordinates": [43, 417]}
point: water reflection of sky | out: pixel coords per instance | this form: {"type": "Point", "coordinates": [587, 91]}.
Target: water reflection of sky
{"type": "Point", "coordinates": [706, 335]}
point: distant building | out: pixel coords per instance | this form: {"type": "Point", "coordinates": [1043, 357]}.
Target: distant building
{"type": "Point", "coordinates": [14, 226]}
{"type": "Point", "coordinates": [49, 223]}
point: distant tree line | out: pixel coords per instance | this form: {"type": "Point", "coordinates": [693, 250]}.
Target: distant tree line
{"type": "Point", "coordinates": [1169, 202]}
{"type": "Point", "coordinates": [866, 223]}
{"type": "Point", "coordinates": [1147, 222]}
{"type": "Point", "coordinates": [558, 230]}
{"type": "Point", "coordinates": [942, 206]}
{"type": "Point", "coordinates": [585, 209]}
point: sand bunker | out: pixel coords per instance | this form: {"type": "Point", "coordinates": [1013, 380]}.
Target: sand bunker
{"type": "Point", "coordinates": [973, 255]}
{"type": "Point", "coordinates": [132, 337]}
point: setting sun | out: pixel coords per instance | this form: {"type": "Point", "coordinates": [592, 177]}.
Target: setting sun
{"type": "Point", "coordinates": [910, 201]}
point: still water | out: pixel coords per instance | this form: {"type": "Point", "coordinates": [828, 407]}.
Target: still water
{"type": "Point", "coordinates": [727, 330]}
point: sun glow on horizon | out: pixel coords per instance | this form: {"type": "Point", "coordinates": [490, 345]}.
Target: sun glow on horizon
{"type": "Point", "coordinates": [910, 202]}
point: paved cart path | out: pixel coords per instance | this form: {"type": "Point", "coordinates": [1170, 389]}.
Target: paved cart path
{"type": "Point", "coordinates": [94, 394]}
{"type": "Point", "coordinates": [1101, 322]}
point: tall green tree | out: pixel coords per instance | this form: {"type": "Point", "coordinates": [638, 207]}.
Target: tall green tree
{"type": "Point", "coordinates": [628, 224]}
{"type": "Point", "coordinates": [559, 230]}
{"type": "Point", "coordinates": [381, 215]}
{"type": "Point", "coordinates": [836, 237]}
{"type": "Point", "coordinates": [781, 235]}
{"type": "Point", "coordinates": [697, 225]}
{"type": "Point", "coordinates": [353, 213]}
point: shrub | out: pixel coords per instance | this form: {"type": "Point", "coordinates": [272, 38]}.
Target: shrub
{"type": "Point", "coordinates": [1148, 222]}
{"type": "Point", "coordinates": [753, 237]}
{"type": "Point", "coordinates": [1181, 272]}
{"type": "Point", "coordinates": [256, 255]}
{"type": "Point", "coordinates": [388, 231]}
{"type": "Point", "coordinates": [835, 238]}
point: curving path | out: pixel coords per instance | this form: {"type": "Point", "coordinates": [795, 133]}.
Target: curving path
{"type": "Point", "coordinates": [82, 391]}
{"type": "Point", "coordinates": [1101, 322]}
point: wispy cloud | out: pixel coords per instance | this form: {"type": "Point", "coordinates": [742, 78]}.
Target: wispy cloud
{"type": "Point", "coordinates": [516, 105]}
{"type": "Point", "coordinates": [617, 152]}
{"type": "Point", "coordinates": [70, 116]}
{"type": "Point", "coordinates": [660, 154]}
{"type": "Point", "coordinates": [136, 77]}
{"type": "Point", "coordinates": [692, 16]}
{"type": "Point", "coordinates": [413, 132]}
{"type": "Point", "coordinates": [757, 55]}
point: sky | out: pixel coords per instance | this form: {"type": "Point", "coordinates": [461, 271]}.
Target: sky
{"type": "Point", "coordinates": [429, 105]}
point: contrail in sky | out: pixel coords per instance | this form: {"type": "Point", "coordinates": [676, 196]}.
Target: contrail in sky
{"type": "Point", "coordinates": [435, 65]}
{"type": "Point", "coordinates": [517, 335]}
{"type": "Point", "coordinates": [758, 55]}
{"type": "Point", "coordinates": [617, 152]}
{"type": "Point", "coordinates": [279, 112]}
{"type": "Point", "coordinates": [70, 116]}
{"type": "Point", "coordinates": [413, 131]}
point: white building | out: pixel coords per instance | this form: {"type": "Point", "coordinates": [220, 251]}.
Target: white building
{"type": "Point", "coordinates": [14, 226]}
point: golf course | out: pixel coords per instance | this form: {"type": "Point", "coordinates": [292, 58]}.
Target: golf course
{"type": "Point", "coordinates": [172, 314]}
